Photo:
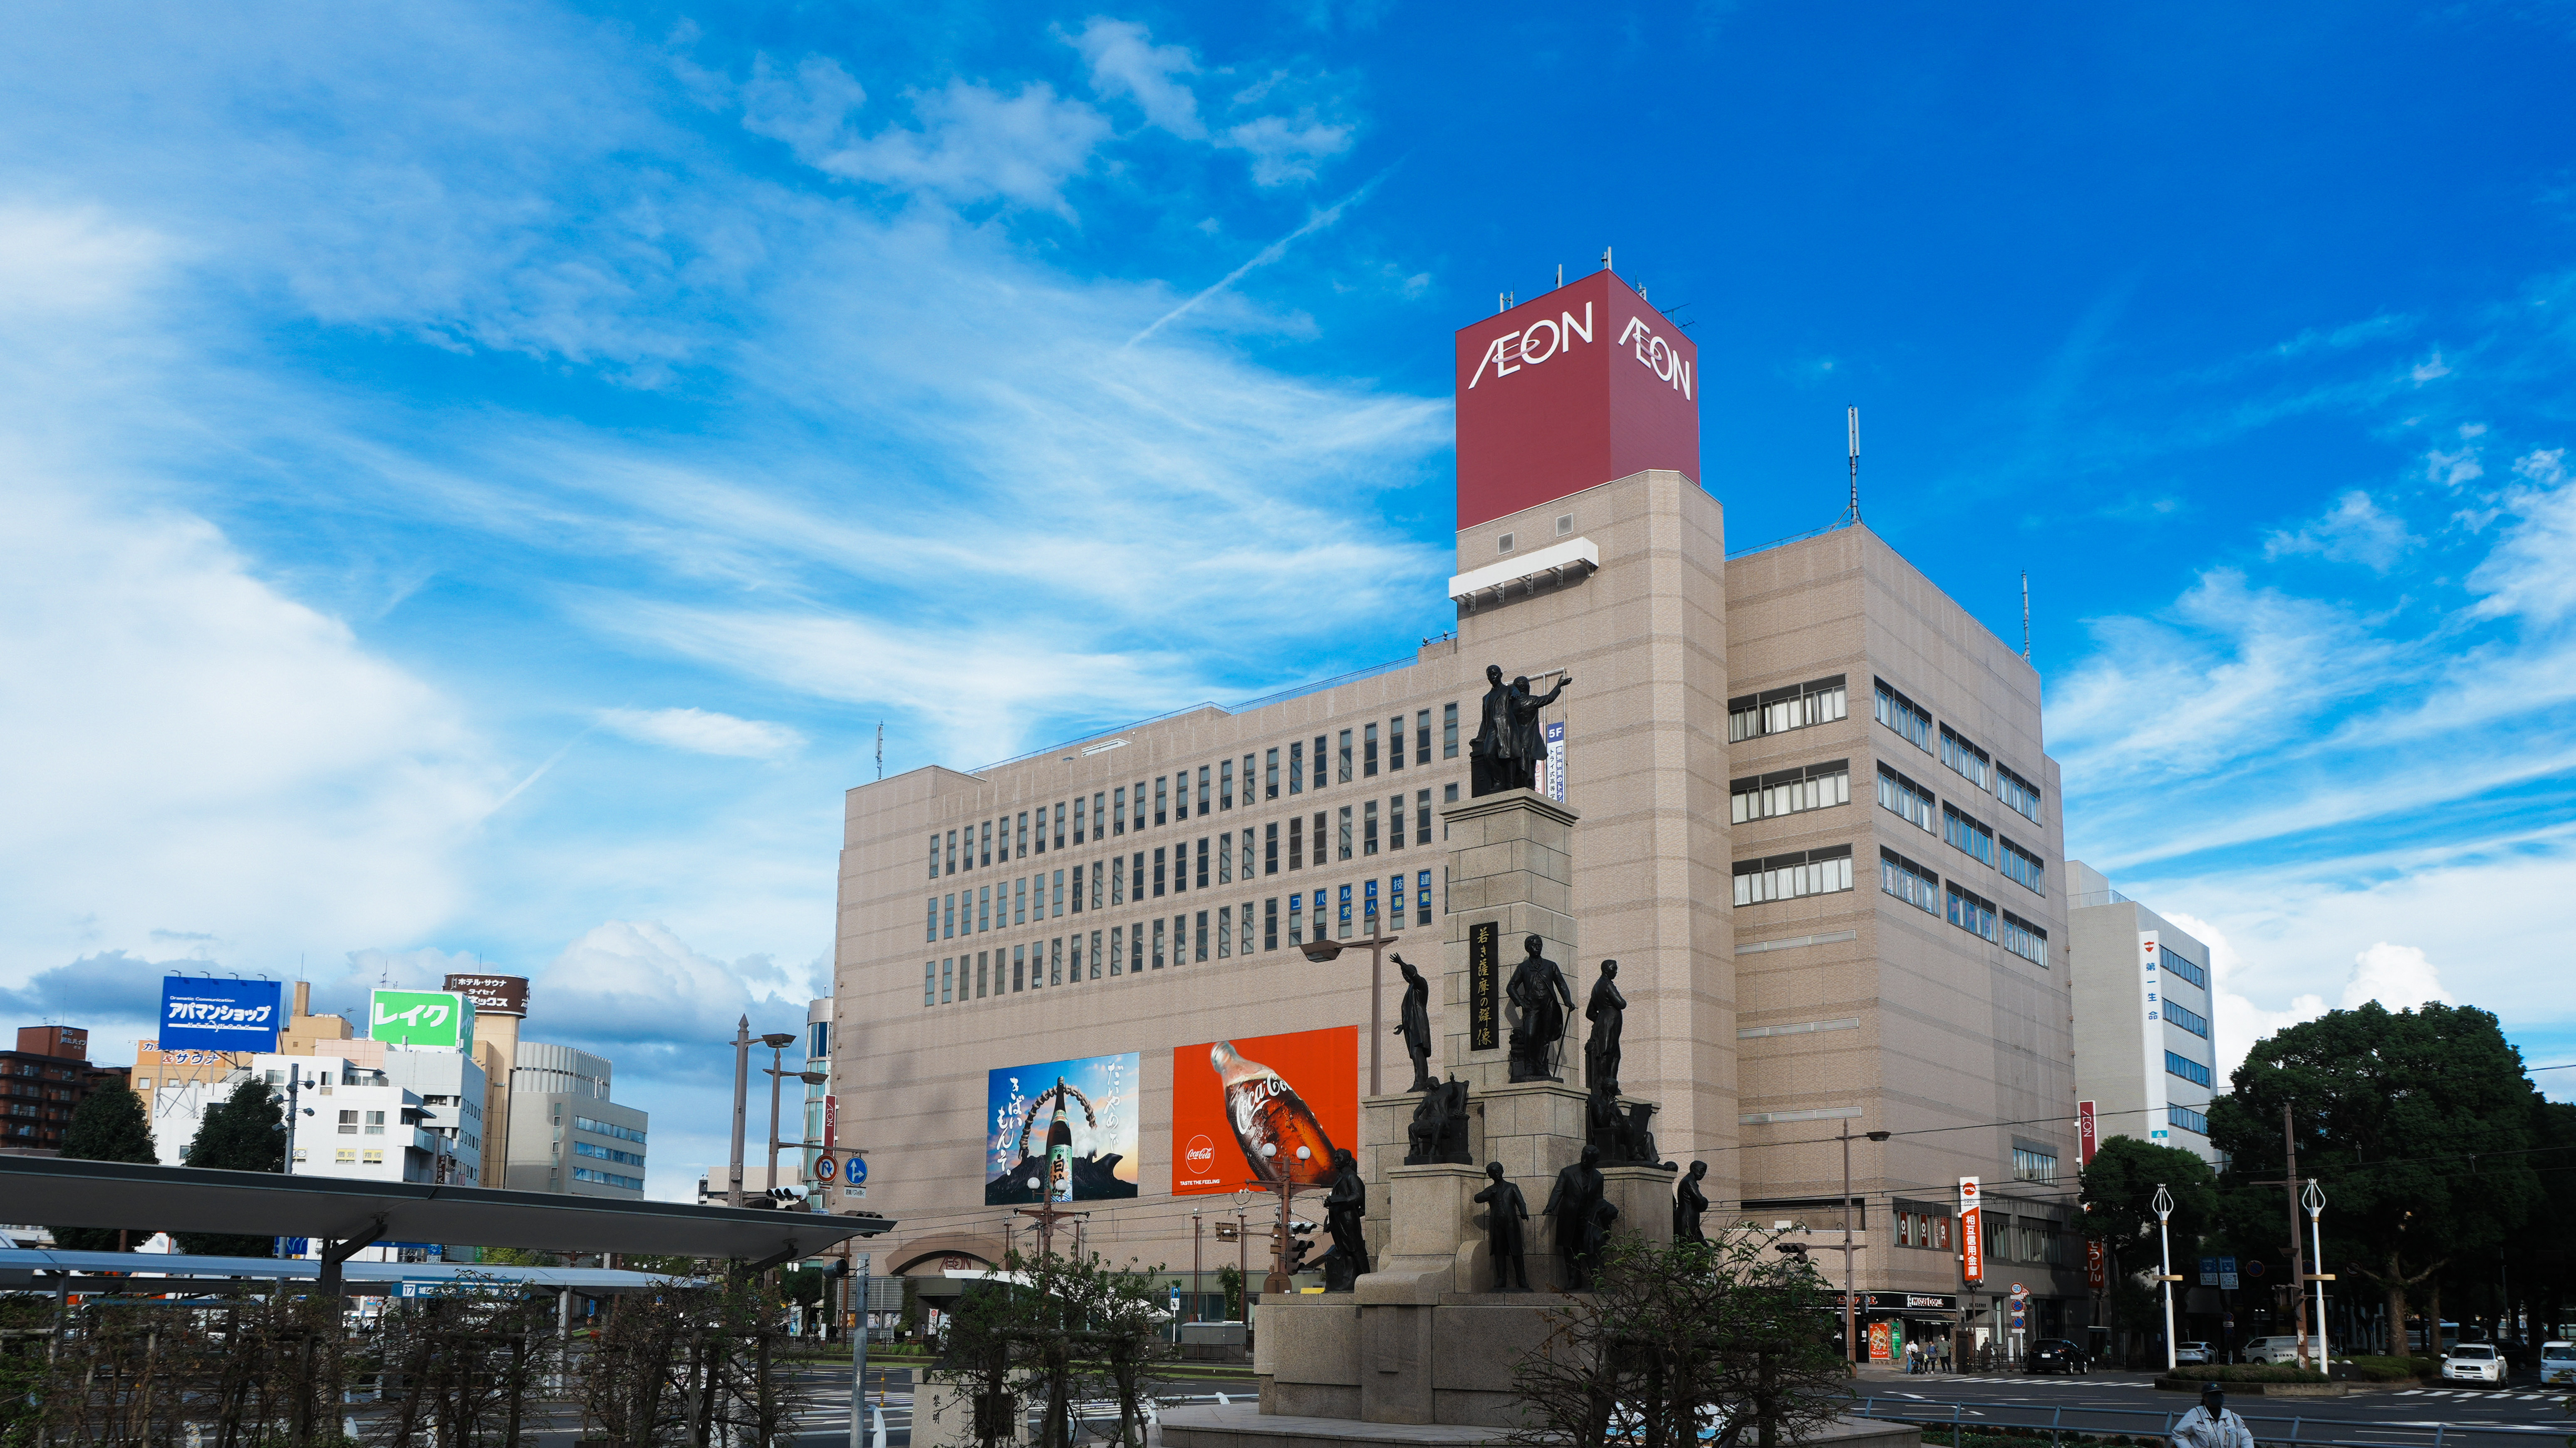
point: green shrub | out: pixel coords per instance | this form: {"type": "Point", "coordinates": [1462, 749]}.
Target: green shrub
{"type": "Point", "coordinates": [2392, 1369]}
{"type": "Point", "coordinates": [2249, 1373]}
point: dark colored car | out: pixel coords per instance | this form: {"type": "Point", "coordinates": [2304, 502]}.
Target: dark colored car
{"type": "Point", "coordinates": [2057, 1355]}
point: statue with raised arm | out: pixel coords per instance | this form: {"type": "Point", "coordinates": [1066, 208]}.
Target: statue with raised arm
{"type": "Point", "coordinates": [1505, 1210]}
{"type": "Point", "coordinates": [1509, 743]}
{"type": "Point", "coordinates": [1608, 1013]}
{"type": "Point", "coordinates": [1413, 1023]}
{"type": "Point", "coordinates": [1541, 1002]}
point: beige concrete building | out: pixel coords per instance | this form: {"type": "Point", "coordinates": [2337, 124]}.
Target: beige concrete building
{"type": "Point", "coordinates": [1818, 830]}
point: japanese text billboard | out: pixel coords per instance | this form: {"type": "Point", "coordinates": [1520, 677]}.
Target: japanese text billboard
{"type": "Point", "coordinates": [220, 1015]}
{"type": "Point", "coordinates": [442, 1019]}
{"type": "Point", "coordinates": [1061, 1131]}
{"type": "Point", "coordinates": [1243, 1110]}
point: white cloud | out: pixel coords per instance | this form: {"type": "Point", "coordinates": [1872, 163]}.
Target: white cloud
{"type": "Point", "coordinates": [2354, 530]}
{"type": "Point", "coordinates": [806, 113]}
{"type": "Point", "coordinates": [1285, 148]}
{"type": "Point", "coordinates": [977, 144]}
{"type": "Point", "coordinates": [1125, 62]}
{"type": "Point", "coordinates": [631, 982]}
{"type": "Point", "coordinates": [703, 732]}
{"type": "Point", "coordinates": [2396, 976]}
{"type": "Point", "coordinates": [2529, 572]}
{"type": "Point", "coordinates": [2428, 369]}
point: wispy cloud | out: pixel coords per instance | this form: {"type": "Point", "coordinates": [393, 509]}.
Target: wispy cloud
{"type": "Point", "coordinates": [704, 732]}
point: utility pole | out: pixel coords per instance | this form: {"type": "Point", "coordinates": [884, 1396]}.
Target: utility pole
{"type": "Point", "coordinates": [1198, 1312]}
{"type": "Point", "coordinates": [2298, 1258]}
{"type": "Point", "coordinates": [1851, 1313]}
{"type": "Point", "coordinates": [1243, 1248]}
{"type": "Point", "coordinates": [741, 1106]}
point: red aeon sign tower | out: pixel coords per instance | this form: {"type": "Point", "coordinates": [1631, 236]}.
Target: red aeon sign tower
{"type": "Point", "coordinates": [1569, 391]}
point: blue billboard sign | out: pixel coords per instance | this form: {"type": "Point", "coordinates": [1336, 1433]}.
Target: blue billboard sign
{"type": "Point", "coordinates": [204, 1013]}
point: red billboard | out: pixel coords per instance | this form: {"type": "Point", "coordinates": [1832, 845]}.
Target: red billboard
{"type": "Point", "coordinates": [1263, 1108]}
{"type": "Point", "coordinates": [1569, 391]}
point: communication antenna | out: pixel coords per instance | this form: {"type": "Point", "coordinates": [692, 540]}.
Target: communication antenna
{"type": "Point", "coordinates": [1851, 421]}
{"type": "Point", "coordinates": [1605, 260]}
{"type": "Point", "coordinates": [2025, 613]}
{"type": "Point", "coordinates": [1560, 274]}
{"type": "Point", "coordinates": [880, 749]}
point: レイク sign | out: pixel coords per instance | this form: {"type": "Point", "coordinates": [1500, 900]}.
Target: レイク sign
{"type": "Point", "coordinates": [436, 1018]}
{"type": "Point", "coordinates": [1972, 1237]}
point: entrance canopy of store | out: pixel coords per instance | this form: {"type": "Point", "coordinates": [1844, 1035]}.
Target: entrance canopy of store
{"type": "Point", "coordinates": [345, 1215]}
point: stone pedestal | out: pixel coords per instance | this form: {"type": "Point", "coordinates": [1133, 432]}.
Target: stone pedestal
{"type": "Point", "coordinates": [1511, 866]}
{"type": "Point", "coordinates": [1644, 1197]}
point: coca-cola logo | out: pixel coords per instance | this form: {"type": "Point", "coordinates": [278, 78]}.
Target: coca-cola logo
{"type": "Point", "coordinates": [1250, 1097]}
{"type": "Point", "coordinates": [1200, 1155]}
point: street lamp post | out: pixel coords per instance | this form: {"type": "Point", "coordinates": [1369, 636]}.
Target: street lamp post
{"type": "Point", "coordinates": [803, 1142]}
{"type": "Point", "coordinates": [741, 1107]}
{"type": "Point", "coordinates": [1851, 1313]}
{"type": "Point", "coordinates": [777, 1042]}
{"type": "Point", "coordinates": [1198, 1311]}
{"type": "Point", "coordinates": [1320, 951]}
{"type": "Point", "coordinates": [2314, 1199]}
{"type": "Point", "coordinates": [2164, 1205]}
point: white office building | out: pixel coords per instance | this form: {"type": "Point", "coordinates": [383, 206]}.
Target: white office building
{"type": "Point", "coordinates": [2145, 1052]}
{"type": "Point", "coordinates": [566, 1135]}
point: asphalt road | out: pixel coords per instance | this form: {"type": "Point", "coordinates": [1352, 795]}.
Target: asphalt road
{"type": "Point", "coordinates": [2106, 1402]}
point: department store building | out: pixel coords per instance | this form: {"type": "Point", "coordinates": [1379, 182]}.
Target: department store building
{"type": "Point", "coordinates": [1818, 830]}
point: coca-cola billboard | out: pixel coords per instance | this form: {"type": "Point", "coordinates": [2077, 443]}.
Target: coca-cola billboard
{"type": "Point", "coordinates": [1061, 1130]}
{"type": "Point", "coordinates": [1297, 1095]}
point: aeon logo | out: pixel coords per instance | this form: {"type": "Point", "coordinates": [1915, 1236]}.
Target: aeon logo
{"type": "Point", "coordinates": [1658, 356]}
{"type": "Point", "coordinates": [1512, 351]}
{"type": "Point", "coordinates": [1199, 1155]}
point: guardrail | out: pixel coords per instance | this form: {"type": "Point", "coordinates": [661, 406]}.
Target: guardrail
{"type": "Point", "coordinates": [2151, 1423]}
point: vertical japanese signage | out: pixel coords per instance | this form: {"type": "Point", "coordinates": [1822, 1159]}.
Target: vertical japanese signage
{"type": "Point", "coordinates": [2087, 1134]}
{"type": "Point", "coordinates": [1556, 761]}
{"type": "Point", "coordinates": [831, 1121]}
{"type": "Point", "coordinates": [1485, 995]}
{"type": "Point", "coordinates": [2152, 1036]}
{"type": "Point", "coordinates": [1972, 1233]}
{"type": "Point", "coordinates": [2097, 1266]}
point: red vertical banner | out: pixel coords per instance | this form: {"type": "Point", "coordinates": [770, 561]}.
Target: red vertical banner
{"type": "Point", "coordinates": [2097, 1270]}
{"type": "Point", "coordinates": [1972, 1237]}
{"type": "Point", "coordinates": [831, 1121]}
{"type": "Point", "coordinates": [2087, 1135]}
{"type": "Point", "coordinates": [1882, 1344]}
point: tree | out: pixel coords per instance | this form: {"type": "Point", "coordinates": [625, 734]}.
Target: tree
{"type": "Point", "coordinates": [108, 1125]}
{"type": "Point", "coordinates": [1229, 1280]}
{"type": "Point", "coordinates": [2417, 1122]}
{"type": "Point", "coordinates": [243, 1132]}
{"type": "Point", "coordinates": [2119, 1190]}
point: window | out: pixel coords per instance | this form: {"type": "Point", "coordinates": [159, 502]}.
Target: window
{"type": "Point", "coordinates": [984, 907]}
{"type": "Point", "coordinates": [1201, 876]}
{"type": "Point", "coordinates": [1297, 768]}
{"type": "Point", "coordinates": [611, 1128]}
{"type": "Point", "coordinates": [1368, 750]}
{"type": "Point", "coordinates": [1448, 731]}
{"type": "Point", "coordinates": [2025, 940]}
{"type": "Point", "coordinates": [1247, 855]}
{"type": "Point", "coordinates": [1967, 835]}
{"type": "Point", "coordinates": [934, 854]}
{"type": "Point", "coordinates": [607, 1153]}
{"type": "Point", "coordinates": [346, 1154]}
{"type": "Point", "coordinates": [1789, 877]}
{"type": "Point", "coordinates": [1020, 976]}
{"type": "Point", "coordinates": [1158, 942]}
{"type": "Point", "coordinates": [1224, 932]}
{"type": "Point", "coordinates": [1095, 954]}
{"type": "Point", "coordinates": [985, 854]}
{"type": "Point", "coordinates": [947, 979]}
{"type": "Point", "coordinates": [930, 931]}
{"type": "Point", "coordinates": [1345, 835]}
{"type": "Point", "coordinates": [1059, 826]}
{"type": "Point", "coordinates": [1199, 937]}
{"type": "Point", "coordinates": [1422, 815]}
{"type": "Point", "coordinates": [1395, 823]}
{"type": "Point", "coordinates": [1158, 873]}
{"type": "Point", "coordinates": [1345, 918]}
{"type": "Point", "coordinates": [348, 1123]}
{"type": "Point", "coordinates": [1077, 889]}
{"type": "Point", "coordinates": [1270, 774]}
{"type": "Point", "coordinates": [1055, 960]}
{"type": "Point", "coordinates": [1791, 791]}
{"type": "Point", "coordinates": [930, 982]}
{"type": "Point", "coordinates": [1972, 763]}
{"type": "Point", "coordinates": [2186, 1119]}
{"type": "Point", "coordinates": [1296, 916]}
{"type": "Point", "coordinates": [1077, 819]}
{"type": "Point", "coordinates": [2183, 967]}
{"type": "Point", "coordinates": [1020, 901]}
{"type": "Point", "coordinates": [1120, 826]}
{"type": "Point", "coordinates": [1421, 737]}
{"type": "Point", "coordinates": [1024, 836]}
{"type": "Point", "coordinates": [1368, 828]}
{"type": "Point", "coordinates": [1972, 912]}
{"type": "Point", "coordinates": [1117, 948]}
{"type": "Point", "coordinates": [2189, 1020]}
{"type": "Point", "coordinates": [2018, 794]}
{"type": "Point", "coordinates": [1140, 807]}
{"type": "Point", "coordinates": [1776, 711]}
{"type": "Point", "coordinates": [1909, 882]}
{"type": "Point", "coordinates": [1395, 742]}
{"type": "Point", "coordinates": [1296, 842]}
{"type": "Point", "coordinates": [607, 1179]}
{"type": "Point", "coordinates": [2024, 868]}
{"type": "Point", "coordinates": [1162, 798]}
{"type": "Point", "coordinates": [1905, 799]}
{"type": "Point", "coordinates": [375, 1123]}
{"type": "Point", "coordinates": [1319, 759]}
{"type": "Point", "coordinates": [1225, 785]}
{"type": "Point", "coordinates": [982, 961]}
{"type": "Point", "coordinates": [1270, 847]}
{"type": "Point", "coordinates": [1269, 924]}
{"type": "Point", "coordinates": [1422, 898]}
{"type": "Point", "coordinates": [1203, 791]}
{"type": "Point", "coordinates": [1225, 858]}
{"type": "Point", "coordinates": [1904, 716]}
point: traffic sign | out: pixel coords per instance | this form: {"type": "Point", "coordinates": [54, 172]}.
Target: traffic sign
{"type": "Point", "coordinates": [856, 1171]}
{"type": "Point", "coordinates": [2020, 1293]}
{"type": "Point", "coordinates": [824, 1169]}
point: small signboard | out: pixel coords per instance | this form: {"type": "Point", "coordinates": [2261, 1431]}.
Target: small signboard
{"type": "Point", "coordinates": [1485, 1024]}
{"type": "Point", "coordinates": [435, 1018]}
{"type": "Point", "coordinates": [2208, 1271]}
{"type": "Point", "coordinates": [2227, 1274]}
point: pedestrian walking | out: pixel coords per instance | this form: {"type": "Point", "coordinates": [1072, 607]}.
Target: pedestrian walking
{"type": "Point", "coordinates": [2212, 1425]}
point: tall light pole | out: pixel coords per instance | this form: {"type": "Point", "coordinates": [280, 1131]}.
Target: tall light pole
{"type": "Point", "coordinates": [1198, 1309]}
{"type": "Point", "coordinates": [1851, 1310]}
{"type": "Point", "coordinates": [2314, 1199]}
{"type": "Point", "coordinates": [2164, 1205]}
{"type": "Point", "coordinates": [1321, 951]}
{"type": "Point", "coordinates": [741, 1106]}
{"type": "Point", "coordinates": [777, 1042]}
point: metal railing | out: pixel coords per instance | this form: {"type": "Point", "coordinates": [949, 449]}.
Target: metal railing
{"type": "Point", "coordinates": [2152, 1423]}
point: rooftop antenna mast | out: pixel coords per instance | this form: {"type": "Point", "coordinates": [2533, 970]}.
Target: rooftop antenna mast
{"type": "Point", "coordinates": [1851, 421]}
{"type": "Point", "coordinates": [1605, 260]}
{"type": "Point", "coordinates": [2025, 613]}
{"type": "Point", "coordinates": [881, 745]}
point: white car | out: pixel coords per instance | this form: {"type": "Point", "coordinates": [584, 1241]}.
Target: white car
{"type": "Point", "coordinates": [2191, 1352]}
{"type": "Point", "coordinates": [2558, 1364]}
{"type": "Point", "coordinates": [2272, 1350]}
{"type": "Point", "coordinates": [2473, 1362]}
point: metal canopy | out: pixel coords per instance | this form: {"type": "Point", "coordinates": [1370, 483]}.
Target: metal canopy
{"type": "Point", "coordinates": [264, 1204]}
{"type": "Point", "coordinates": [183, 1272]}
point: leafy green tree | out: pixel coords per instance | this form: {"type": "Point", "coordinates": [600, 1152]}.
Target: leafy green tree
{"type": "Point", "coordinates": [1229, 1280]}
{"type": "Point", "coordinates": [109, 1125]}
{"type": "Point", "coordinates": [2419, 1124]}
{"type": "Point", "coordinates": [242, 1132]}
{"type": "Point", "coordinates": [2119, 1194]}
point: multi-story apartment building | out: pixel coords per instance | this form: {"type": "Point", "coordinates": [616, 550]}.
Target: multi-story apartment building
{"type": "Point", "coordinates": [2145, 1050]}
{"type": "Point", "coordinates": [566, 1135]}
{"type": "Point", "coordinates": [1817, 832]}
{"type": "Point", "coordinates": [43, 1082]}
{"type": "Point", "coordinates": [356, 1117]}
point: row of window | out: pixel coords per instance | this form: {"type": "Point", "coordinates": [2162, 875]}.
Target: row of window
{"type": "Point", "coordinates": [1217, 860]}
{"type": "Point", "coordinates": [607, 1153]}
{"type": "Point", "coordinates": [607, 1179]}
{"type": "Point", "coordinates": [2188, 1069]}
{"type": "Point", "coordinates": [2029, 1165]}
{"type": "Point", "coordinates": [349, 1123]}
{"type": "Point", "coordinates": [2187, 1018]}
{"type": "Point", "coordinates": [2186, 1119]}
{"type": "Point", "coordinates": [1777, 711]}
{"type": "Point", "coordinates": [2182, 966]}
{"type": "Point", "coordinates": [610, 1128]}
{"type": "Point", "coordinates": [1218, 934]}
{"type": "Point", "coordinates": [1111, 813]}
{"type": "Point", "coordinates": [1923, 889]}
{"type": "Point", "coordinates": [1823, 871]}
{"type": "Point", "coordinates": [1914, 804]}
{"type": "Point", "coordinates": [350, 1156]}
{"type": "Point", "coordinates": [1791, 791]}
{"type": "Point", "coordinates": [1962, 755]}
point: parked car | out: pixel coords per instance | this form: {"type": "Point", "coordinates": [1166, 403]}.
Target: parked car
{"type": "Point", "coordinates": [2558, 1364]}
{"type": "Point", "coordinates": [2057, 1355]}
{"type": "Point", "coordinates": [2473, 1362]}
{"type": "Point", "coordinates": [2274, 1350]}
{"type": "Point", "coordinates": [2195, 1353]}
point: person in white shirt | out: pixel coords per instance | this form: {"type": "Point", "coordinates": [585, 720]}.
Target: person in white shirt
{"type": "Point", "coordinates": [2211, 1425]}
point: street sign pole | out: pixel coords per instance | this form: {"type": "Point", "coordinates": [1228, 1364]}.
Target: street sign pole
{"type": "Point", "coordinates": [860, 1262]}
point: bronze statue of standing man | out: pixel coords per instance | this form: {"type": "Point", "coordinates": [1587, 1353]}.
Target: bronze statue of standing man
{"type": "Point", "coordinates": [1541, 1002]}
{"type": "Point", "coordinates": [1509, 744]}
{"type": "Point", "coordinates": [1413, 1023]}
{"type": "Point", "coordinates": [1608, 1013]}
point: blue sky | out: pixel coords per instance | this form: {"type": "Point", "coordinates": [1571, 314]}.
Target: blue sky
{"type": "Point", "coordinates": [476, 478]}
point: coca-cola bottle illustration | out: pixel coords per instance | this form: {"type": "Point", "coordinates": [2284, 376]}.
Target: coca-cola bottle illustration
{"type": "Point", "coordinates": [1059, 1151]}
{"type": "Point", "coordinates": [1280, 1137]}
